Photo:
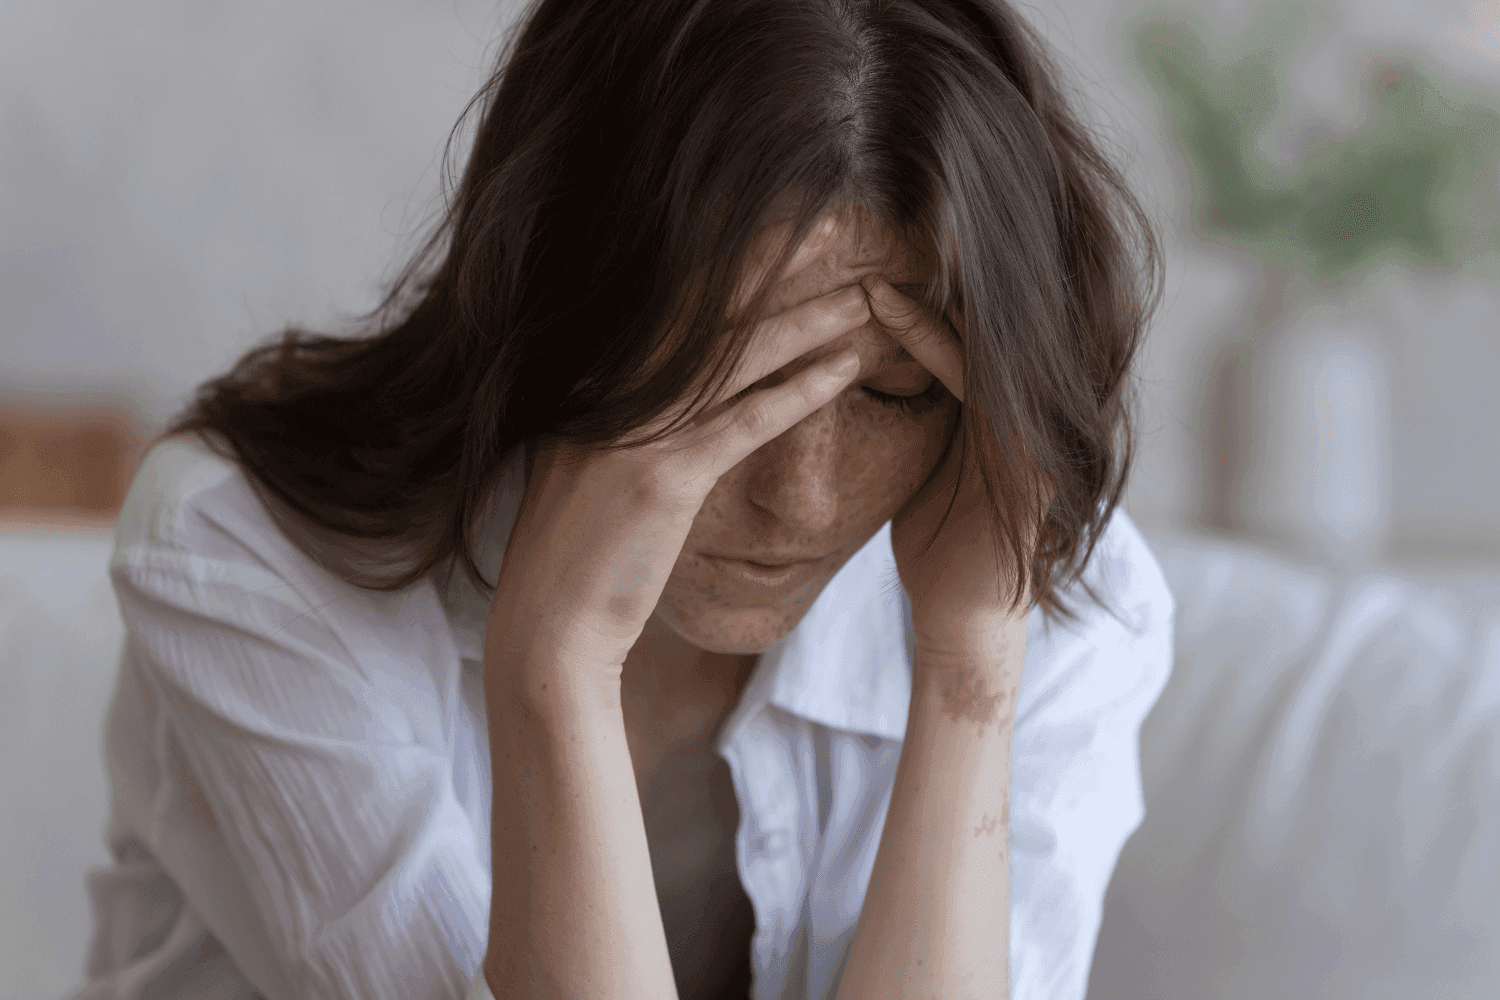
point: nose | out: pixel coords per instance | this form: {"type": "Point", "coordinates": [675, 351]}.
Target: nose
{"type": "Point", "coordinates": [795, 476]}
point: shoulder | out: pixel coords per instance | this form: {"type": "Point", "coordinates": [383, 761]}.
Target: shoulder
{"type": "Point", "coordinates": [1119, 647]}
{"type": "Point", "coordinates": [186, 500]}
{"type": "Point", "coordinates": [194, 533]}
{"type": "Point", "coordinates": [1125, 574]}
{"type": "Point", "coordinates": [192, 525]}
{"type": "Point", "coordinates": [222, 599]}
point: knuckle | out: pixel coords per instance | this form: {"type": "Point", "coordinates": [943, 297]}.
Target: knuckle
{"type": "Point", "coordinates": [909, 317]}
{"type": "Point", "coordinates": [672, 480]}
{"type": "Point", "coordinates": [647, 487]}
{"type": "Point", "coordinates": [921, 333]}
{"type": "Point", "coordinates": [756, 417]}
{"type": "Point", "coordinates": [852, 300]}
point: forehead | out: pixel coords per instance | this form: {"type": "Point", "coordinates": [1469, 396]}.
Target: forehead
{"type": "Point", "coordinates": [863, 247]}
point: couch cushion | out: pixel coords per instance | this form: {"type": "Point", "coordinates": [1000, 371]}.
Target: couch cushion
{"type": "Point", "coordinates": [60, 641]}
{"type": "Point", "coordinates": [1322, 784]}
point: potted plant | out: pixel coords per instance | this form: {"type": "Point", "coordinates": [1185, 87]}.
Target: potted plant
{"type": "Point", "coordinates": [1410, 184]}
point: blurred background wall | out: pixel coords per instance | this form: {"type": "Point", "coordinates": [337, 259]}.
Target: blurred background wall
{"type": "Point", "coordinates": [181, 180]}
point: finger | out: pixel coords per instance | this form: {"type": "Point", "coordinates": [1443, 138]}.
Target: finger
{"type": "Point", "coordinates": [781, 339]}
{"type": "Point", "coordinates": [934, 346]}
{"type": "Point", "coordinates": [739, 429]}
{"type": "Point", "coordinates": [766, 247]}
{"type": "Point", "coordinates": [785, 337]}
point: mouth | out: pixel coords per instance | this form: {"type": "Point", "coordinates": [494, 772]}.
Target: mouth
{"type": "Point", "coordinates": [751, 574]}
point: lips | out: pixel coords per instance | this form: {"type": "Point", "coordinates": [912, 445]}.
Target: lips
{"type": "Point", "coordinates": [772, 562]}
{"type": "Point", "coordinates": [752, 577]}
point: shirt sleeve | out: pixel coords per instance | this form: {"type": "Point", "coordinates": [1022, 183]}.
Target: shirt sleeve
{"type": "Point", "coordinates": [1076, 777]}
{"type": "Point", "coordinates": [314, 822]}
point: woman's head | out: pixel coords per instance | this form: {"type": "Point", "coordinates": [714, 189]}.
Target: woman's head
{"type": "Point", "coordinates": [583, 281]}
{"type": "Point", "coordinates": [822, 488]}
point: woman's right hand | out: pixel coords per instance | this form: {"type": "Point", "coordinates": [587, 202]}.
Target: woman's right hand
{"type": "Point", "coordinates": [598, 532]}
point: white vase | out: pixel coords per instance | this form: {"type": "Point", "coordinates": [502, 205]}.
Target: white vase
{"type": "Point", "coordinates": [1317, 479]}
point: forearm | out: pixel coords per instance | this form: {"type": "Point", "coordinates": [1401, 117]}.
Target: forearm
{"type": "Point", "coordinates": [574, 910]}
{"type": "Point", "coordinates": [936, 916]}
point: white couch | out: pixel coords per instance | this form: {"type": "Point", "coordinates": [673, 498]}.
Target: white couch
{"type": "Point", "coordinates": [1322, 780]}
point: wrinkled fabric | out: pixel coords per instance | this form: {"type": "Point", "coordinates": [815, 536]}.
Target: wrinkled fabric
{"type": "Point", "coordinates": [301, 775]}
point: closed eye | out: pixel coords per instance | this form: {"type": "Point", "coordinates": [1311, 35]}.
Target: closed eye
{"type": "Point", "coordinates": [903, 403]}
{"type": "Point", "coordinates": [907, 402]}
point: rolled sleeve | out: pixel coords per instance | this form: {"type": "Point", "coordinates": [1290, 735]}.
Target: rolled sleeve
{"type": "Point", "coordinates": [306, 807]}
{"type": "Point", "coordinates": [1076, 778]}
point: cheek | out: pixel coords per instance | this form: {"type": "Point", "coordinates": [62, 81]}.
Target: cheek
{"type": "Point", "coordinates": [889, 454]}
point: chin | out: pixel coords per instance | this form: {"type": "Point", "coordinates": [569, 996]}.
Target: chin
{"type": "Point", "coordinates": [738, 631]}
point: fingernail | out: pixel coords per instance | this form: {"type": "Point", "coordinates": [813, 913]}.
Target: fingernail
{"type": "Point", "coordinates": [847, 362]}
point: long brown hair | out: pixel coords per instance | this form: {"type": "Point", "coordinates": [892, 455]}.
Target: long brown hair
{"type": "Point", "coordinates": [574, 288]}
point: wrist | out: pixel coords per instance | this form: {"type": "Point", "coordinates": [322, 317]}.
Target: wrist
{"type": "Point", "coordinates": [986, 644]}
{"type": "Point", "coordinates": [542, 667]}
{"type": "Point", "coordinates": [546, 684]}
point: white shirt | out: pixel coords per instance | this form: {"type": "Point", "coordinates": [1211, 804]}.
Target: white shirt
{"type": "Point", "coordinates": [301, 777]}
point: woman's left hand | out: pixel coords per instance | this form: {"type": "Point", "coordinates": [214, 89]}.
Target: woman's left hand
{"type": "Point", "coordinates": [956, 588]}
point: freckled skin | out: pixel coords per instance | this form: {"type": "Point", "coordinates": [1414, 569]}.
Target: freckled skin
{"type": "Point", "coordinates": [824, 486]}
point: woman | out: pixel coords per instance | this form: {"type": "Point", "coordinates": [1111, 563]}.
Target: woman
{"type": "Point", "coordinates": [619, 755]}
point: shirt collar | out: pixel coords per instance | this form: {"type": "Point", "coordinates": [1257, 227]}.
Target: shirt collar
{"type": "Point", "coordinates": [845, 665]}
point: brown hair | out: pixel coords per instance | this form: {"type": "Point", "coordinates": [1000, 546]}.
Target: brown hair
{"type": "Point", "coordinates": [576, 282]}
